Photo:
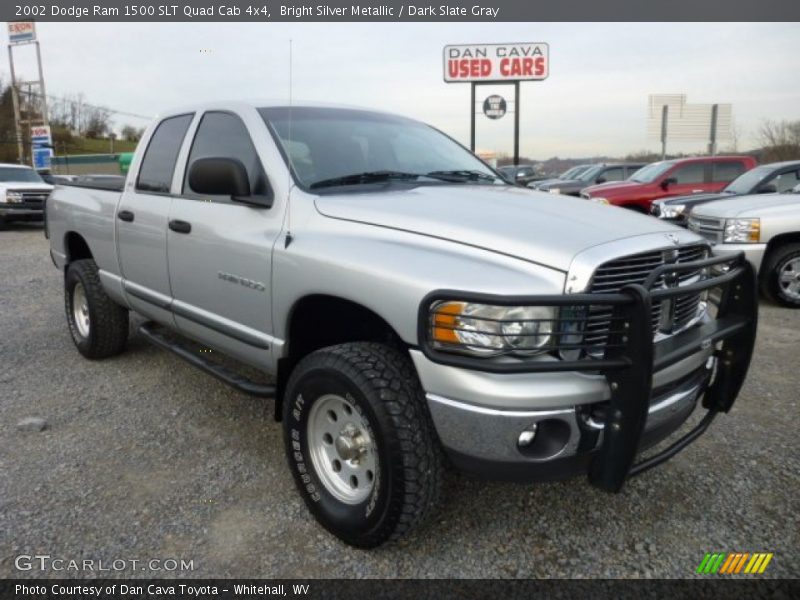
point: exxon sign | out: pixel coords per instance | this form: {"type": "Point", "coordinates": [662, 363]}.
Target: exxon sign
{"type": "Point", "coordinates": [496, 62]}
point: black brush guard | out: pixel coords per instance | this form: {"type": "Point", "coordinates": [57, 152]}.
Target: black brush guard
{"type": "Point", "coordinates": [632, 356]}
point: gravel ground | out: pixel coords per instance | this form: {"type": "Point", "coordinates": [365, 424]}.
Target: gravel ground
{"type": "Point", "coordinates": [143, 457]}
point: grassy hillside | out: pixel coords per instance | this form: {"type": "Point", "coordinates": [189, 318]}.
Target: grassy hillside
{"type": "Point", "coordinates": [93, 146]}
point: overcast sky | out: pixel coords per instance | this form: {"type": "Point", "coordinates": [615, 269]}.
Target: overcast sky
{"type": "Point", "coordinates": [593, 103]}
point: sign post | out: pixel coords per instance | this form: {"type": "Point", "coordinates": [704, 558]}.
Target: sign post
{"type": "Point", "coordinates": [493, 64]}
{"type": "Point", "coordinates": [21, 33]}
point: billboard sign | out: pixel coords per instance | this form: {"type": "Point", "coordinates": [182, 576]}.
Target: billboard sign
{"type": "Point", "coordinates": [21, 31]}
{"type": "Point", "coordinates": [496, 62]}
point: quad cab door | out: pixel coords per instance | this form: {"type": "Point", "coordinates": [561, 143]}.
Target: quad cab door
{"type": "Point", "coordinates": [690, 178]}
{"type": "Point", "coordinates": [220, 250]}
{"type": "Point", "coordinates": [141, 222]}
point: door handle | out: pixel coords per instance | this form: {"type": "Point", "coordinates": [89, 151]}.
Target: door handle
{"type": "Point", "coordinates": [125, 215]}
{"type": "Point", "coordinates": [180, 226]}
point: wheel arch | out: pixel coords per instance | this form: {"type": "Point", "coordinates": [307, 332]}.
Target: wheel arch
{"type": "Point", "coordinates": [316, 321]}
{"type": "Point", "coordinates": [76, 247]}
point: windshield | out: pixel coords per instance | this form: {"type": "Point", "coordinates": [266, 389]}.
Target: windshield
{"type": "Point", "coordinates": [590, 174]}
{"type": "Point", "coordinates": [573, 172]}
{"type": "Point", "coordinates": [19, 174]}
{"type": "Point", "coordinates": [329, 147]}
{"type": "Point", "coordinates": [651, 172]}
{"type": "Point", "coordinates": [746, 182]}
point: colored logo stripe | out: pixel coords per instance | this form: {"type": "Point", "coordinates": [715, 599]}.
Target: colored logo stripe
{"type": "Point", "coordinates": [734, 563]}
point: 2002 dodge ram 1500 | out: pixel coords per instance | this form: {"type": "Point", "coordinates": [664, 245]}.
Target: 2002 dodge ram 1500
{"type": "Point", "coordinates": [410, 304]}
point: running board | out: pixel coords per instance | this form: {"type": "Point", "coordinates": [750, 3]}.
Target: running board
{"type": "Point", "coordinates": [151, 334]}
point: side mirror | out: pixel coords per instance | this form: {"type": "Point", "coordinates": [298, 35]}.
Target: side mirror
{"type": "Point", "coordinates": [768, 188]}
{"type": "Point", "coordinates": [600, 179]}
{"type": "Point", "coordinates": [668, 182]}
{"type": "Point", "coordinates": [224, 177]}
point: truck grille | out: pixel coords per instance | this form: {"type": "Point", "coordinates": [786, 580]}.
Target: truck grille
{"type": "Point", "coordinates": [614, 275]}
{"type": "Point", "coordinates": [33, 196]}
{"type": "Point", "coordinates": [709, 228]}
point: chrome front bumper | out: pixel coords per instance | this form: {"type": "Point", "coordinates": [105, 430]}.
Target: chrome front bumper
{"type": "Point", "coordinates": [483, 439]}
{"type": "Point", "coordinates": [754, 253]}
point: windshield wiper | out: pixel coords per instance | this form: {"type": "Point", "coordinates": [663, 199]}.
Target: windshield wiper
{"type": "Point", "coordinates": [364, 178]}
{"type": "Point", "coordinates": [461, 175]}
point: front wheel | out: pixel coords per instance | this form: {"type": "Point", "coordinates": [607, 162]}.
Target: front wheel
{"type": "Point", "coordinates": [781, 278]}
{"type": "Point", "coordinates": [360, 442]}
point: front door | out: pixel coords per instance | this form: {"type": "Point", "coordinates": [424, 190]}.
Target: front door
{"type": "Point", "coordinates": [220, 251]}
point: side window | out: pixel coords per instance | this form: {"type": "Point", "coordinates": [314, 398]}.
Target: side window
{"type": "Point", "coordinates": [727, 171]}
{"type": "Point", "coordinates": [691, 173]}
{"type": "Point", "coordinates": [631, 170]}
{"type": "Point", "coordinates": [785, 182]}
{"type": "Point", "coordinates": [158, 163]}
{"type": "Point", "coordinates": [612, 174]}
{"type": "Point", "coordinates": [223, 135]}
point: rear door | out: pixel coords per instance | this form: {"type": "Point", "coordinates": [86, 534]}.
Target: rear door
{"type": "Point", "coordinates": [220, 257]}
{"type": "Point", "coordinates": [142, 222]}
{"type": "Point", "coordinates": [725, 171]}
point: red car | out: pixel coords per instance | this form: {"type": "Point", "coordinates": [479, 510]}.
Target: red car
{"type": "Point", "coordinates": [679, 177]}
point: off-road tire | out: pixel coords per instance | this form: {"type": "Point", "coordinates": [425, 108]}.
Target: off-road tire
{"type": "Point", "coordinates": [108, 321]}
{"type": "Point", "coordinates": [770, 272]}
{"type": "Point", "coordinates": [382, 385]}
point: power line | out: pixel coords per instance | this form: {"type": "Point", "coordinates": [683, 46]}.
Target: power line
{"type": "Point", "coordinates": [95, 106]}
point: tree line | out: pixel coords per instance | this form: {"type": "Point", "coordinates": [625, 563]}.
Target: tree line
{"type": "Point", "coordinates": [72, 119]}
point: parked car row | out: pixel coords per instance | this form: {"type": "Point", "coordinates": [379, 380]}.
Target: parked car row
{"type": "Point", "coordinates": [592, 175]}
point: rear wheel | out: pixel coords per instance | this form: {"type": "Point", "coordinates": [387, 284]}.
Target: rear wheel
{"type": "Point", "coordinates": [98, 325]}
{"type": "Point", "coordinates": [360, 442]}
{"type": "Point", "coordinates": [781, 277]}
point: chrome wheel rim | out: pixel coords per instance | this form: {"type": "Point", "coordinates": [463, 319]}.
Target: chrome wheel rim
{"type": "Point", "coordinates": [342, 451]}
{"type": "Point", "coordinates": [80, 310]}
{"type": "Point", "coordinates": [789, 278]}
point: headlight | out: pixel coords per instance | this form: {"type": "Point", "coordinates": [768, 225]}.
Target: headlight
{"type": "Point", "coordinates": [554, 190]}
{"type": "Point", "coordinates": [744, 231]}
{"type": "Point", "coordinates": [672, 211]}
{"type": "Point", "coordinates": [490, 330]}
{"type": "Point", "coordinates": [13, 197]}
{"type": "Point", "coordinates": [599, 200]}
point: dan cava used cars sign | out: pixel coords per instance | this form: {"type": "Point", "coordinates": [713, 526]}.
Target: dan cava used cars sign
{"type": "Point", "coordinates": [496, 62]}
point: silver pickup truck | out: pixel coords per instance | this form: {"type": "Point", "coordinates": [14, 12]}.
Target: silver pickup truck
{"type": "Point", "coordinates": [412, 308]}
{"type": "Point", "coordinates": [766, 228]}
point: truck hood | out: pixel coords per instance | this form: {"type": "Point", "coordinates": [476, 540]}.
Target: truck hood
{"type": "Point", "coordinates": [748, 206]}
{"type": "Point", "coordinates": [530, 225]}
{"type": "Point", "coordinates": [24, 185]}
{"type": "Point", "coordinates": [612, 189]}
{"type": "Point", "coordinates": [692, 199]}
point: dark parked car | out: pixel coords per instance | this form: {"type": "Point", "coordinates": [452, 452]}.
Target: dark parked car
{"type": "Point", "coordinates": [595, 174]}
{"type": "Point", "coordinates": [520, 174]}
{"type": "Point", "coordinates": [780, 177]}
{"type": "Point", "coordinates": [570, 173]}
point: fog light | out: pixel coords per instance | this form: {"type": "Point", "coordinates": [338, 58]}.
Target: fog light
{"type": "Point", "coordinates": [526, 437]}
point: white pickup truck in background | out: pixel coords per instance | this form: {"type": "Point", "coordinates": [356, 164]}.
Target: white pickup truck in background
{"type": "Point", "coordinates": [22, 194]}
{"type": "Point", "coordinates": [766, 228]}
